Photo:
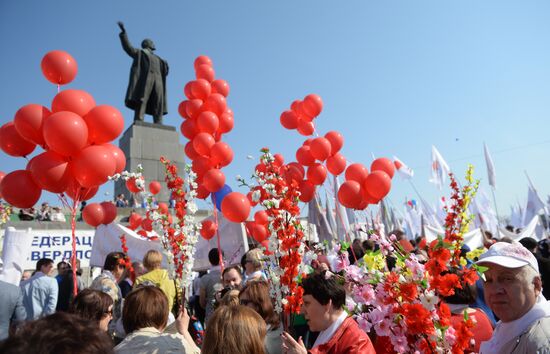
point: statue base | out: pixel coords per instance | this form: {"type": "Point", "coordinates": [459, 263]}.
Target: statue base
{"type": "Point", "coordinates": [143, 144]}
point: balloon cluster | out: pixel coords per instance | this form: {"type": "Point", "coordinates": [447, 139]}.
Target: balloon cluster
{"type": "Point", "coordinates": [96, 214]}
{"type": "Point", "coordinates": [75, 135]}
{"type": "Point", "coordinates": [322, 155]}
{"type": "Point", "coordinates": [301, 114]}
{"type": "Point", "coordinates": [207, 118]}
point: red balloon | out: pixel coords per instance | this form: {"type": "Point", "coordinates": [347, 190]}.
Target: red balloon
{"type": "Point", "coordinates": [189, 129]}
{"type": "Point", "coordinates": [182, 109]}
{"type": "Point", "coordinates": [154, 187]}
{"type": "Point", "coordinates": [2, 175]}
{"type": "Point", "coordinates": [221, 87]}
{"type": "Point", "coordinates": [304, 156]}
{"type": "Point", "coordinates": [134, 220]}
{"type": "Point", "coordinates": [77, 101]}
{"type": "Point", "coordinates": [203, 142]}
{"type": "Point", "coordinates": [317, 174]}
{"type": "Point", "coordinates": [12, 143]}
{"type": "Point", "coordinates": [259, 232]}
{"type": "Point", "coordinates": [208, 122]}
{"type": "Point", "coordinates": [93, 166]}
{"type": "Point", "coordinates": [118, 155]}
{"type": "Point", "coordinates": [51, 171]}
{"type": "Point", "coordinates": [147, 224]}
{"type": "Point", "coordinates": [265, 244]}
{"type": "Point", "coordinates": [279, 160]}
{"type": "Point", "coordinates": [132, 186]}
{"type": "Point", "coordinates": [383, 164]}
{"type": "Point", "coordinates": [336, 164]}
{"type": "Point", "coordinates": [221, 154]}
{"type": "Point", "coordinates": [289, 120]}
{"type": "Point", "coordinates": [200, 89]}
{"type": "Point", "coordinates": [226, 122]}
{"type": "Point", "coordinates": [208, 229]}
{"type": "Point", "coordinates": [163, 208]}
{"type": "Point", "coordinates": [321, 148]}
{"type": "Point", "coordinates": [367, 198]}
{"type": "Point", "coordinates": [336, 141]}
{"type": "Point", "coordinates": [29, 120]}
{"type": "Point", "coordinates": [190, 151]}
{"type": "Point", "coordinates": [213, 180]}
{"type": "Point", "coordinates": [356, 172]}
{"type": "Point", "coordinates": [260, 217]}
{"type": "Point", "coordinates": [292, 173]}
{"type": "Point", "coordinates": [307, 142]}
{"type": "Point", "coordinates": [364, 203]}
{"type": "Point", "coordinates": [109, 212]}
{"type": "Point", "coordinates": [59, 67]}
{"type": "Point", "coordinates": [202, 59]}
{"type": "Point", "coordinates": [377, 184]}
{"type": "Point", "coordinates": [76, 192]}
{"type": "Point", "coordinates": [201, 165]}
{"type": "Point", "coordinates": [216, 103]}
{"type": "Point", "coordinates": [313, 105]}
{"type": "Point", "coordinates": [19, 189]}
{"type": "Point", "coordinates": [187, 90]}
{"type": "Point", "coordinates": [202, 192]}
{"type": "Point", "coordinates": [307, 191]}
{"type": "Point", "coordinates": [193, 108]}
{"type": "Point", "coordinates": [105, 123]}
{"type": "Point", "coordinates": [65, 133]}
{"type": "Point", "coordinates": [349, 194]}
{"type": "Point", "coordinates": [295, 105]}
{"type": "Point", "coordinates": [206, 72]}
{"type": "Point", "coordinates": [305, 128]}
{"type": "Point", "coordinates": [235, 207]}
{"type": "Point", "coordinates": [93, 214]}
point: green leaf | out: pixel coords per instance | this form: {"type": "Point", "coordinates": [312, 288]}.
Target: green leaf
{"type": "Point", "coordinates": [480, 269]}
{"type": "Point", "coordinates": [466, 317]}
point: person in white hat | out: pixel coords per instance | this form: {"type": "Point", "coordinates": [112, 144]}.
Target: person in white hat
{"type": "Point", "coordinates": [513, 290]}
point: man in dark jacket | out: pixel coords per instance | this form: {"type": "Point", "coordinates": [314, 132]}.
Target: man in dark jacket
{"type": "Point", "coordinates": [146, 92]}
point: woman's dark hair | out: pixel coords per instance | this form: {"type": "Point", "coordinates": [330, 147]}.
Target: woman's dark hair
{"type": "Point", "coordinates": [91, 304]}
{"type": "Point", "coordinates": [465, 295]}
{"type": "Point", "coordinates": [60, 333]}
{"type": "Point", "coordinates": [323, 289]}
{"type": "Point", "coordinates": [146, 306]}
{"type": "Point", "coordinates": [258, 293]}
{"type": "Point", "coordinates": [112, 260]}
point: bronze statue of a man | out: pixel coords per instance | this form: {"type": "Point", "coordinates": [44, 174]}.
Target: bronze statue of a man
{"type": "Point", "coordinates": [146, 92]}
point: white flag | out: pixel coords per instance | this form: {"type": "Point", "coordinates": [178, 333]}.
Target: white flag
{"type": "Point", "coordinates": [490, 167]}
{"type": "Point", "coordinates": [440, 169]}
{"type": "Point", "coordinates": [404, 171]}
{"type": "Point", "coordinates": [533, 207]}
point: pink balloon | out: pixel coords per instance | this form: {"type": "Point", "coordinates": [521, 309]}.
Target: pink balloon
{"type": "Point", "coordinates": [76, 101]}
{"type": "Point", "coordinates": [105, 123]}
{"type": "Point", "coordinates": [65, 133]}
{"type": "Point", "coordinates": [29, 120]}
{"type": "Point", "coordinates": [93, 166]}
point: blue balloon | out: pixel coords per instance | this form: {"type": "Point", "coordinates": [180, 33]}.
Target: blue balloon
{"type": "Point", "coordinates": [218, 196]}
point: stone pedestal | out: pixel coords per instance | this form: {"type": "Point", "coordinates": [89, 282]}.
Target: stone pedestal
{"type": "Point", "coordinates": [144, 143]}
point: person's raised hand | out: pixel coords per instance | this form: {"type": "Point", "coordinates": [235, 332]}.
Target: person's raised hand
{"type": "Point", "coordinates": [290, 346]}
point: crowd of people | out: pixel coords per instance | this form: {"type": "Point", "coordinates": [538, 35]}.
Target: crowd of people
{"type": "Point", "coordinates": [230, 309]}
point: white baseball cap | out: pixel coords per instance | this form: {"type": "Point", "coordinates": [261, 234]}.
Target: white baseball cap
{"type": "Point", "coordinates": [509, 255]}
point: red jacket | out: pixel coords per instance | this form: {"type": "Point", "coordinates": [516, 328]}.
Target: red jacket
{"type": "Point", "coordinates": [348, 338]}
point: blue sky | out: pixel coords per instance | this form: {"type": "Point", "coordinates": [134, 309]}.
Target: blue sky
{"type": "Point", "coordinates": [395, 76]}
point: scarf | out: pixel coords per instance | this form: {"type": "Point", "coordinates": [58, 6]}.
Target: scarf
{"type": "Point", "coordinates": [506, 331]}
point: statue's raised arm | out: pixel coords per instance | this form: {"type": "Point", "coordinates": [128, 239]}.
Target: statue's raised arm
{"type": "Point", "coordinates": [126, 45]}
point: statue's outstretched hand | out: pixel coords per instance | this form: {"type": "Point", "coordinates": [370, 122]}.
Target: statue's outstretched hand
{"type": "Point", "coordinates": [121, 25]}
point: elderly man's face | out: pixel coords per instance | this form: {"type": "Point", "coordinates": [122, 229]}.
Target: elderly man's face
{"type": "Point", "coordinates": [509, 292]}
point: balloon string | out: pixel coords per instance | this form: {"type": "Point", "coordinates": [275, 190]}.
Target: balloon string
{"type": "Point", "coordinates": [73, 231]}
{"type": "Point", "coordinates": [218, 232]}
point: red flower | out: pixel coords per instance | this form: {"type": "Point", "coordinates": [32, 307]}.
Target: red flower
{"type": "Point", "coordinates": [409, 291]}
{"type": "Point", "coordinates": [418, 319]}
